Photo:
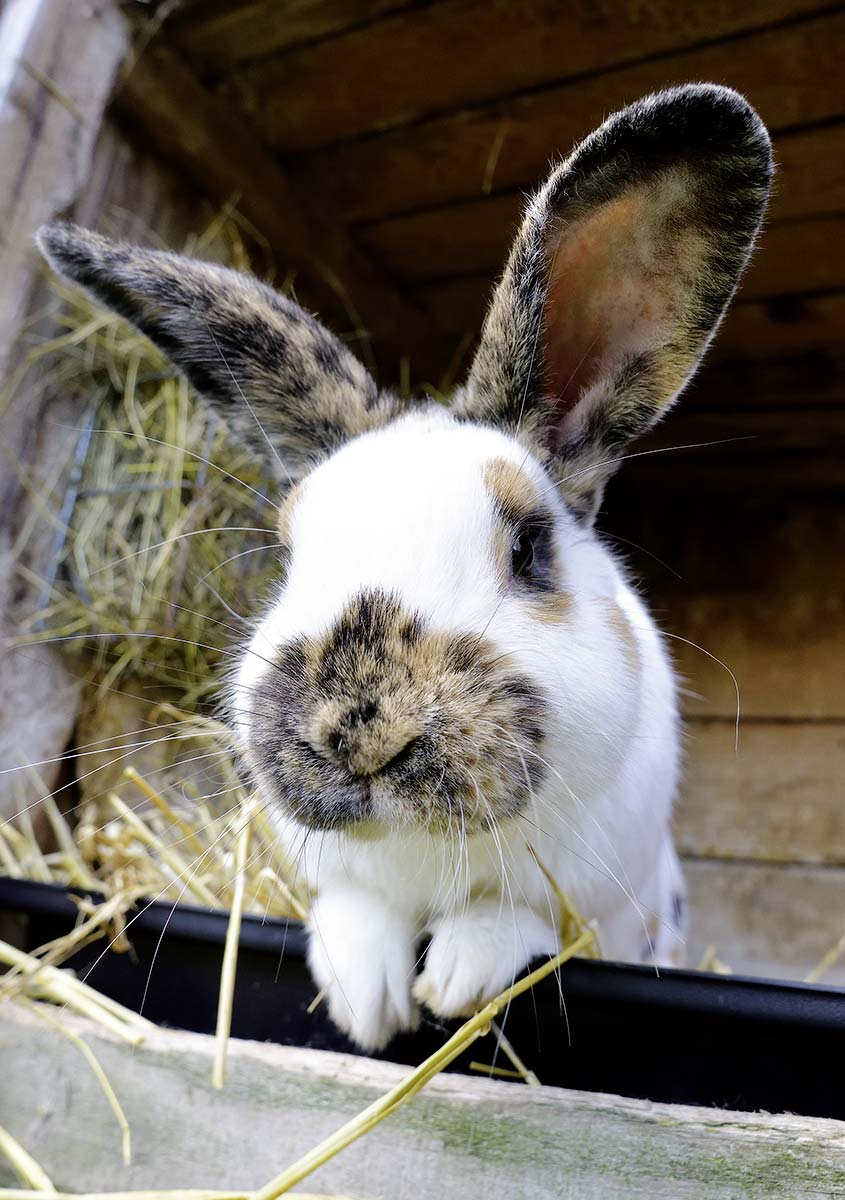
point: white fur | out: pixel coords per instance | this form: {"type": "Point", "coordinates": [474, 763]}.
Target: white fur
{"type": "Point", "coordinates": [406, 509]}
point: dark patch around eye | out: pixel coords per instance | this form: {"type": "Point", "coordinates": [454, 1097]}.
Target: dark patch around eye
{"type": "Point", "coordinates": [532, 556]}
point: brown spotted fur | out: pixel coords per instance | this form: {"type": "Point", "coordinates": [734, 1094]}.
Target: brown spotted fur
{"type": "Point", "coordinates": [444, 726]}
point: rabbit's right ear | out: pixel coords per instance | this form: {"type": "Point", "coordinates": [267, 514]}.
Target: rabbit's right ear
{"type": "Point", "coordinates": [285, 385]}
{"type": "Point", "coordinates": [620, 274]}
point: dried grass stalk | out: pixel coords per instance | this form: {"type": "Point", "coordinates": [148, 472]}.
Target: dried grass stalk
{"type": "Point", "coordinates": [23, 1164]}
{"type": "Point", "coordinates": [230, 953]}
{"type": "Point", "coordinates": [100, 1075]}
{"type": "Point", "coordinates": [169, 529]}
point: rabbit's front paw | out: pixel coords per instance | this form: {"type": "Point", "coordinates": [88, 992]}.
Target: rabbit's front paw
{"type": "Point", "coordinates": [475, 955]}
{"type": "Point", "coordinates": [362, 956]}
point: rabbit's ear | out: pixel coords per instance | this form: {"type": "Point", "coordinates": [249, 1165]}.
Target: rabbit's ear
{"type": "Point", "coordinates": [620, 274]}
{"type": "Point", "coordinates": [285, 385]}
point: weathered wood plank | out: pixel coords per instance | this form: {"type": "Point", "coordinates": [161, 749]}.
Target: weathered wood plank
{"type": "Point", "coordinates": [204, 137]}
{"type": "Point", "coordinates": [216, 37]}
{"type": "Point", "coordinates": [778, 797]}
{"type": "Point", "coordinates": [773, 921]}
{"type": "Point", "coordinates": [765, 432]}
{"type": "Point", "coordinates": [756, 578]}
{"type": "Point", "coordinates": [302, 100]}
{"type": "Point", "coordinates": [449, 158]}
{"type": "Point", "coordinates": [460, 1137]}
{"type": "Point", "coordinates": [785, 650]}
{"type": "Point", "coordinates": [805, 381]}
{"type": "Point", "coordinates": [46, 148]}
{"type": "Point", "coordinates": [720, 545]}
{"type": "Point", "coordinates": [781, 327]}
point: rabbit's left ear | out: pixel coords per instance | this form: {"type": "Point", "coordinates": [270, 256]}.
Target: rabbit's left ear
{"type": "Point", "coordinates": [626, 260]}
{"type": "Point", "coordinates": [287, 387]}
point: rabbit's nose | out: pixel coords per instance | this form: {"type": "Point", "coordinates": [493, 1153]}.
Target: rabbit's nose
{"type": "Point", "coordinates": [363, 740]}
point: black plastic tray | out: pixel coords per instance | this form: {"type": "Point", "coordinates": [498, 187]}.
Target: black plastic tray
{"type": "Point", "coordinates": [682, 1036]}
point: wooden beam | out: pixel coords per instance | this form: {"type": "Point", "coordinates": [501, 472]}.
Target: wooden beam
{"type": "Point", "coordinates": [790, 76]}
{"type": "Point", "coordinates": [774, 921]}
{"type": "Point", "coordinates": [215, 37]}
{"type": "Point", "coordinates": [54, 87]}
{"type": "Point", "coordinates": [777, 797]}
{"type": "Point", "coordinates": [222, 155]}
{"type": "Point", "coordinates": [460, 1137]}
{"type": "Point", "coordinates": [440, 57]}
{"type": "Point", "coordinates": [781, 327]}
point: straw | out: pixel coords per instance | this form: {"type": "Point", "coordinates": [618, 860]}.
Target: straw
{"type": "Point", "coordinates": [230, 953]}
{"type": "Point", "coordinates": [23, 1164]}
{"type": "Point", "coordinates": [102, 1078]}
{"type": "Point", "coordinates": [47, 982]}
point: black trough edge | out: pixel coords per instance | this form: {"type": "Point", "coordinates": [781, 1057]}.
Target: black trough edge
{"type": "Point", "coordinates": [681, 1036]}
{"type": "Point", "coordinates": [696, 992]}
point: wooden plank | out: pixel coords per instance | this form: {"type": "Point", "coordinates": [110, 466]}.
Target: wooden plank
{"type": "Point", "coordinates": [781, 327]}
{"type": "Point", "coordinates": [46, 148]}
{"type": "Point", "coordinates": [756, 578]}
{"type": "Point", "coordinates": [449, 158]}
{"type": "Point", "coordinates": [778, 797]}
{"type": "Point", "coordinates": [460, 1137]}
{"type": "Point", "coordinates": [217, 37]}
{"type": "Point", "coordinates": [807, 381]}
{"type": "Point", "coordinates": [807, 184]}
{"type": "Point", "coordinates": [755, 434]}
{"type": "Point", "coordinates": [786, 651]}
{"type": "Point", "coordinates": [772, 921]}
{"type": "Point", "coordinates": [722, 545]}
{"type": "Point", "coordinates": [191, 128]}
{"type": "Point", "coordinates": [477, 50]}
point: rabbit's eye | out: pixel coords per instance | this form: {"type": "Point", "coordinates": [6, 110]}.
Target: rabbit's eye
{"type": "Point", "coordinates": [532, 558]}
{"type": "Point", "coordinates": [523, 555]}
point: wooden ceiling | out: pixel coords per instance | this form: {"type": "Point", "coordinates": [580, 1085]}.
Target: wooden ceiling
{"type": "Point", "coordinates": [384, 147]}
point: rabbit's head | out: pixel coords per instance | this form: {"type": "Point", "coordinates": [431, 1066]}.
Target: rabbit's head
{"type": "Point", "coordinates": [446, 630]}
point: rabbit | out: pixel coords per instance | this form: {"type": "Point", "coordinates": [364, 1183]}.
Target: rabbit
{"type": "Point", "coordinates": [455, 680]}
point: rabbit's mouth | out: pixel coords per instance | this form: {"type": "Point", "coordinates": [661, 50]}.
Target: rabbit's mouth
{"type": "Point", "coordinates": [384, 722]}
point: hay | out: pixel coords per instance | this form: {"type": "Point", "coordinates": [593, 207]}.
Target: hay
{"type": "Point", "coordinates": [164, 535]}
{"type": "Point", "coordinates": [173, 843]}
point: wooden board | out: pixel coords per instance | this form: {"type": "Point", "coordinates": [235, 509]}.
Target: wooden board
{"type": "Point", "coordinates": [773, 921]}
{"type": "Point", "coordinates": [790, 75]}
{"type": "Point", "coordinates": [462, 53]}
{"type": "Point", "coordinates": [198, 134]}
{"type": "Point", "coordinates": [777, 797]}
{"type": "Point", "coordinates": [460, 1137]}
{"type": "Point", "coordinates": [785, 652]}
{"type": "Point", "coordinates": [46, 147]}
{"type": "Point", "coordinates": [781, 327]}
{"type": "Point", "coordinates": [218, 36]}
